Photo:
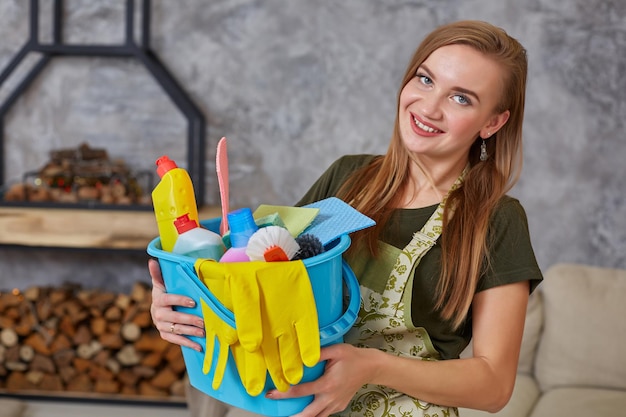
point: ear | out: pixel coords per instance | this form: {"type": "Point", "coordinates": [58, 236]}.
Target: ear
{"type": "Point", "coordinates": [494, 124]}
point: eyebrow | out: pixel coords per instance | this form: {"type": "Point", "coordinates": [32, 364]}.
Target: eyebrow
{"type": "Point", "coordinates": [459, 89]}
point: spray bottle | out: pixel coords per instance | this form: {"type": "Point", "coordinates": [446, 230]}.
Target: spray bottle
{"type": "Point", "coordinates": [172, 197]}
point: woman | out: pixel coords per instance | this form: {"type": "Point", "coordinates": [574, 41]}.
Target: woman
{"type": "Point", "coordinates": [454, 154]}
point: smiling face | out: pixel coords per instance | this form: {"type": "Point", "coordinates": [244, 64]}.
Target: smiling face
{"type": "Point", "coordinates": [449, 103]}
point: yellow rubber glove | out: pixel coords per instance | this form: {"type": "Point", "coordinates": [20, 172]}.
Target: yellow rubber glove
{"type": "Point", "coordinates": [216, 328]}
{"type": "Point", "coordinates": [283, 322]}
{"type": "Point", "coordinates": [275, 313]}
{"type": "Point", "coordinates": [250, 365]}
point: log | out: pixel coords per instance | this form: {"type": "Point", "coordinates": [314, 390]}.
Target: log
{"type": "Point", "coordinates": [131, 332]}
{"type": "Point", "coordinates": [38, 343]}
{"type": "Point", "coordinates": [34, 377]}
{"type": "Point", "coordinates": [81, 383]}
{"type": "Point", "coordinates": [63, 358]}
{"type": "Point", "coordinates": [164, 379]}
{"type": "Point", "coordinates": [51, 383]}
{"type": "Point", "coordinates": [128, 356]}
{"type": "Point", "coordinates": [27, 353]}
{"type": "Point", "coordinates": [111, 340]}
{"type": "Point", "coordinates": [60, 342]}
{"type": "Point", "coordinates": [17, 381]}
{"type": "Point", "coordinates": [43, 363]}
{"type": "Point", "coordinates": [8, 337]}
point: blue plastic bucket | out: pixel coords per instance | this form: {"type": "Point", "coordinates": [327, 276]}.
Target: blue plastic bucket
{"type": "Point", "coordinates": [328, 274]}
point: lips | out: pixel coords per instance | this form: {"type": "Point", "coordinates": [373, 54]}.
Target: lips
{"type": "Point", "coordinates": [422, 126]}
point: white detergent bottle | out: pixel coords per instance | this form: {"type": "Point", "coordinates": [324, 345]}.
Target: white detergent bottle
{"type": "Point", "coordinates": [195, 241]}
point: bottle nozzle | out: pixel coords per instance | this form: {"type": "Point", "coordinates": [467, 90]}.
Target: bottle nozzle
{"type": "Point", "coordinates": [242, 226]}
{"type": "Point", "coordinates": [164, 164]}
{"type": "Point", "coordinates": [184, 224]}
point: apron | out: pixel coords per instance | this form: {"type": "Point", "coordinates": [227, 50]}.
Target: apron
{"type": "Point", "coordinates": [384, 322]}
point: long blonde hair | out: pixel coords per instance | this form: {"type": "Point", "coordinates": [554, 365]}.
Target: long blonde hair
{"type": "Point", "coordinates": [375, 190]}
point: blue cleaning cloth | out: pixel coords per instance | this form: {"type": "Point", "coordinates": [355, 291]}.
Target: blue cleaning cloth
{"type": "Point", "coordinates": [336, 218]}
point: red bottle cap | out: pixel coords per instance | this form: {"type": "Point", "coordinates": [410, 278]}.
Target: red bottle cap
{"type": "Point", "coordinates": [164, 164]}
{"type": "Point", "coordinates": [184, 224]}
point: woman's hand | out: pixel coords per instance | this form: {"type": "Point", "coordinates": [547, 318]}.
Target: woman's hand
{"type": "Point", "coordinates": [172, 325]}
{"type": "Point", "coordinates": [347, 369]}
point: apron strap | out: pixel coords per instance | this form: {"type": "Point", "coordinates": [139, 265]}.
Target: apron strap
{"type": "Point", "coordinates": [421, 243]}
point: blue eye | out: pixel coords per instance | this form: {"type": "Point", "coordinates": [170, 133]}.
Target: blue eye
{"type": "Point", "coordinates": [461, 99]}
{"type": "Point", "coordinates": [424, 79]}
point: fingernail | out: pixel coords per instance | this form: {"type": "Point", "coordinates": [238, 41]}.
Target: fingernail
{"type": "Point", "coordinates": [269, 394]}
{"type": "Point", "coordinates": [191, 303]}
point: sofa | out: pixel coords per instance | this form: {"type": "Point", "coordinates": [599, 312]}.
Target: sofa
{"type": "Point", "coordinates": [573, 356]}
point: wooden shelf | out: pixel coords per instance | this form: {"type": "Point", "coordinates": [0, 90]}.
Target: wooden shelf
{"type": "Point", "coordinates": [82, 228]}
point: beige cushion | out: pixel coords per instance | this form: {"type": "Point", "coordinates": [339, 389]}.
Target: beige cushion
{"type": "Point", "coordinates": [532, 332]}
{"type": "Point", "coordinates": [584, 335]}
{"type": "Point", "coordinates": [581, 402]}
{"type": "Point", "coordinates": [525, 395]}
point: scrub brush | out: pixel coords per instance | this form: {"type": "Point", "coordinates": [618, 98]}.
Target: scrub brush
{"type": "Point", "coordinates": [310, 246]}
{"type": "Point", "coordinates": [271, 244]}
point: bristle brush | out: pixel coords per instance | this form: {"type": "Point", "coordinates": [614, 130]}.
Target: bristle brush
{"type": "Point", "coordinates": [272, 244]}
{"type": "Point", "coordinates": [310, 246]}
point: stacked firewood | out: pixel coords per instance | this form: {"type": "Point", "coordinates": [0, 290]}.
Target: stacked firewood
{"type": "Point", "coordinates": [81, 174]}
{"type": "Point", "coordinates": [76, 340]}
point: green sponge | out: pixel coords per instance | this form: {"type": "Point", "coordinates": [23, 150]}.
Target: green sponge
{"type": "Point", "coordinates": [270, 220]}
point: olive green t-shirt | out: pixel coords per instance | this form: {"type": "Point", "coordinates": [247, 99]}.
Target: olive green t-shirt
{"type": "Point", "coordinates": [511, 252]}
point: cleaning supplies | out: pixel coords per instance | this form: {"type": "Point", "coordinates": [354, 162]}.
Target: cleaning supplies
{"type": "Point", "coordinates": [282, 321]}
{"type": "Point", "coordinates": [195, 241]}
{"type": "Point", "coordinates": [336, 218]}
{"type": "Point", "coordinates": [272, 244]}
{"type": "Point", "coordinates": [269, 220]}
{"type": "Point", "coordinates": [221, 336]}
{"type": "Point", "coordinates": [172, 197]}
{"type": "Point", "coordinates": [275, 315]}
{"type": "Point", "coordinates": [310, 246]}
{"type": "Point", "coordinates": [242, 226]}
{"type": "Point", "coordinates": [295, 219]}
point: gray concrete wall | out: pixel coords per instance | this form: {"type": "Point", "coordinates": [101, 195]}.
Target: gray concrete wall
{"type": "Point", "coordinates": [294, 84]}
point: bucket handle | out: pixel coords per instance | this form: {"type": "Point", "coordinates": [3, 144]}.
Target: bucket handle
{"type": "Point", "coordinates": [328, 333]}
{"type": "Point", "coordinates": [333, 331]}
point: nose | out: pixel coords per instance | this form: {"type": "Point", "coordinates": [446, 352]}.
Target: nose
{"type": "Point", "coordinates": [430, 106]}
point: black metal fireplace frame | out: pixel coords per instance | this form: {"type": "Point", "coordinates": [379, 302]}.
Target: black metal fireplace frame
{"type": "Point", "coordinates": [128, 49]}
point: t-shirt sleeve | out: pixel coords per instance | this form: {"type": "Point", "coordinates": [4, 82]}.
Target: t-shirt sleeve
{"type": "Point", "coordinates": [512, 258]}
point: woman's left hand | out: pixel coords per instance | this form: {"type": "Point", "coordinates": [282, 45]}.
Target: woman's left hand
{"type": "Point", "coordinates": [347, 369]}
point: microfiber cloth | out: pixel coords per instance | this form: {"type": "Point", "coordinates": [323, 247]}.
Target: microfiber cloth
{"type": "Point", "coordinates": [336, 218]}
{"type": "Point", "coordinates": [296, 219]}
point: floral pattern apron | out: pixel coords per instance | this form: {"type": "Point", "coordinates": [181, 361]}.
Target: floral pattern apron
{"type": "Point", "coordinates": [384, 322]}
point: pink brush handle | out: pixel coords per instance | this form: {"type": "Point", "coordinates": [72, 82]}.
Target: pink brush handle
{"type": "Point", "coordinates": [221, 165]}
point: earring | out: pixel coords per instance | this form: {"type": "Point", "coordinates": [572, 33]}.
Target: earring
{"type": "Point", "coordinates": [483, 151]}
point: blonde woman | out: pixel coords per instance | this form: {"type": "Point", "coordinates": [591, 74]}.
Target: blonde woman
{"type": "Point", "coordinates": [450, 259]}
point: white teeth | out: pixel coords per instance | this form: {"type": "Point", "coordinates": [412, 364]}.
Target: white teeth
{"type": "Point", "coordinates": [424, 127]}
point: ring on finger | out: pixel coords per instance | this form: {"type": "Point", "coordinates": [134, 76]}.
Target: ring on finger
{"type": "Point", "coordinates": [172, 328]}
